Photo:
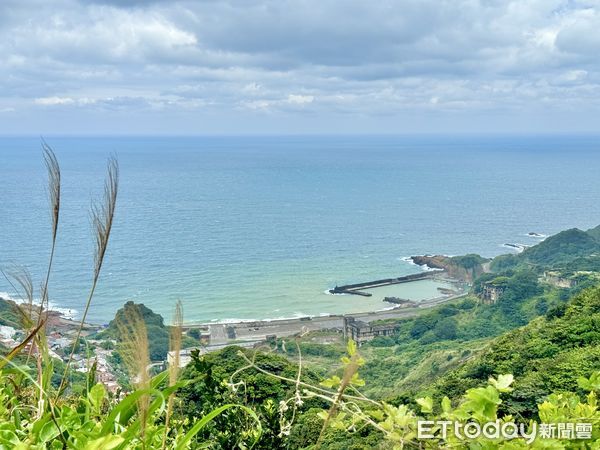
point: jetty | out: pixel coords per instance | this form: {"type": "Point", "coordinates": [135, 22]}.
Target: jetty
{"type": "Point", "coordinates": [358, 288]}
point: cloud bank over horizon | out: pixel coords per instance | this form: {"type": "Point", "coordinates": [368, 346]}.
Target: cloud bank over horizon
{"type": "Point", "coordinates": [316, 66]}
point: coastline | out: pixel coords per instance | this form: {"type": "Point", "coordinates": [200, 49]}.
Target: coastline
{"type": "Point", "coordinates": [224, 332]}
{"type": "Point", "coordinates": [257, 331]}
{"type": "Point", "coordinates": [249, 331]}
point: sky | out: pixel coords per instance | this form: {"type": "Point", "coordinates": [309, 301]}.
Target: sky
{"type": "Point", "coordinates": [302, 66]}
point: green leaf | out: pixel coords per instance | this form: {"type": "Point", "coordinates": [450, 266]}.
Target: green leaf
{"type": "Point", "coordinates": [97, 395]}
{"type": "Point", "coordinates": [503, 382]}
{"type": "Point", "coordinates": [8, 438]}
{"type": "Point", "coordinates": [159, 379]}
{"type": "Point", "coordinates": [183, 443]}
{"type": "Point", "coordinates": [483, 402]}
{"type": "Point", "coordinates": [104, 443]}
{"type": "Point", "coordinates": [45, 429]}
{"type": "Point", "coordinates": [446, 405]}
{"type": "Point", "coordinates": [356, 380]}
{"type": "Point", "coordinates": [332, 382]}
{"type": "Point", "coordinates": [590, 384]}
{"type": "Point", "coordinates": [351, 347]}
{"type": "Point", "coordinates": [323, 414]}
{"type": "Point", "coordinates": [126, 408]}
{"type": "Point", "coordinates": [426, 404]}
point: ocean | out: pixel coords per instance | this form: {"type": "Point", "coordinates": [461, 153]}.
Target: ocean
{"type": "Point", "coordinates": [260, 227]}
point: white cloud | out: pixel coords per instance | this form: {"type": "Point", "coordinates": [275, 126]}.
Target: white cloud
{"type": "Point", "coordinates": [52, 101]}
{"type": "Point", "coordinates": [343, 58]}
{"type": "Point", "coordinates": [257, 105]}
{"type": "Point", "coordinates": [300, 99]}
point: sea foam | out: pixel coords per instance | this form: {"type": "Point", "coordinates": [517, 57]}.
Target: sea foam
{"type": "Point", "coordinates": [66, 313]}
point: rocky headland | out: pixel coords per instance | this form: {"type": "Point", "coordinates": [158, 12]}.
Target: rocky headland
{"type": "Point", "coordinates": [465, 268]}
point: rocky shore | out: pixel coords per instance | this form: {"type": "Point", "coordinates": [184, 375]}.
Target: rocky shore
{"type": "Point", "coordinates": [465, 268]}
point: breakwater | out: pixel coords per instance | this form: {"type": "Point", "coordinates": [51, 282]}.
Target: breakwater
{"type": "Point", "coordinates": [357, 289]}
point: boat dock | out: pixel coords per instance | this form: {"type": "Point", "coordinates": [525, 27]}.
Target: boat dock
{"type": "Point", "coordinates": [357, 289]}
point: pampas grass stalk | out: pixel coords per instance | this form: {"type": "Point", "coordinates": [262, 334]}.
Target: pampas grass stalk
{"type": "Point", "coordinates": [102, 220]}
{"type": "Point", "coordinates": [54, 186]}
{"type": "Point", "coordinates": [43, 356]}
{"type": "Point", "coordinates": [136, 356]}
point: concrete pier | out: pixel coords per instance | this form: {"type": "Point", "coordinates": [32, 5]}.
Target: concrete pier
{"type": "Point", "coordinates": [356, 289]}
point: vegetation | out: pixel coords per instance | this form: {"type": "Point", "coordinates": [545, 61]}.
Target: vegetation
{"type": "Point", "coordinates": [9, 313]}
{"type": "Point", "coordinates": [548, 355]}
{"type": "Point", "coordinates": [469, 262]}
{"type": "Point", "coordinates": [574, 249]}
{"type": "Point", "coordinates": [158, 333]}
{"type": "Point", "coordinates": [561, 248]}
{"type": "Point", "coordinates": [445, 338]}
{"type": "Point", "coordinates": [244, 377]}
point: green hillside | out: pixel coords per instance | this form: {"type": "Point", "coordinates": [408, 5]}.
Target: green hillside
{"type": "Point", "coordinates": [9, 314]}
{"type": "Point", "coordinates": [547, 355]}
{"type": "Point", "coordinates": [561, 248]}
{"type": "Point", "coordinates": [594, 232]}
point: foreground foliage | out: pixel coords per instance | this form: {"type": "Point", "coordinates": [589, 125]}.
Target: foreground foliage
{"type": "Point", "coordinates": [36, 413]}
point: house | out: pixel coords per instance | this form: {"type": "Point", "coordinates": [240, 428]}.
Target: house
{"type": "Point", "coordinates": [491, 291]}
{"type": "Point", "coordinates": [360, 331]}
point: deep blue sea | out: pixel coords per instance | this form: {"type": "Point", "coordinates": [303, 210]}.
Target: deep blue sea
{"type": "Point", "coordinates": [260, 227]}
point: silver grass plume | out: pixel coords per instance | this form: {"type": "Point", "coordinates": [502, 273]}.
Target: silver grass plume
{"type": "Point", "coordinates": [53, 170]}
{"type": "Point", "coordinates": [135, 351]}
{"type": "Point", "coordinates": [102, 220]}
{"type": "Point", "coordinates": [103, 214]}
{"type": "Point", "coordinates": [54, 186]}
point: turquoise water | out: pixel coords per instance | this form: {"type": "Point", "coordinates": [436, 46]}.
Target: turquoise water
{"type": "Point", "coordinates": [260, 227]}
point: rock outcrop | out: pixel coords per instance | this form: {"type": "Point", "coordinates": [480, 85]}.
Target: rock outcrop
{"type": "Point", "coordinates": [467, 267]}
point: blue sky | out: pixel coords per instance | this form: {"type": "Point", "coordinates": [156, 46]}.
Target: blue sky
{"type": "Point", "coordinates": [304, 66]}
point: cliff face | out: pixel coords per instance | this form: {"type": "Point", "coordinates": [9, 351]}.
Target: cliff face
{"type": "Point", "coordinates": [465, 268]}
{"type": "Point", "coordinates": [434, 262]}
